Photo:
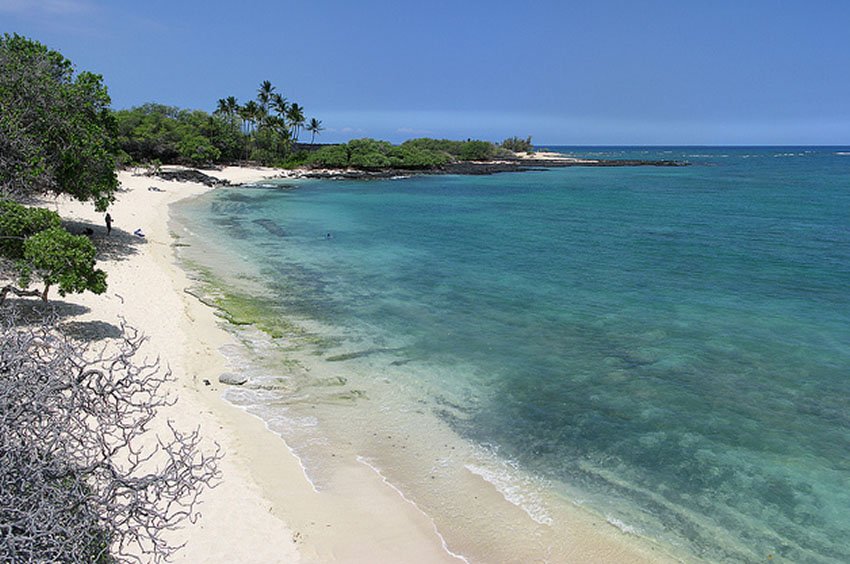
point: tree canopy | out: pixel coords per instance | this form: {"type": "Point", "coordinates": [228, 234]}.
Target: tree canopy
{"type": "Point", "coordinates": [414, 154]}
{"type": "Point", "coordinates": [154, 132]}
{"type": "Point", "coordinates": [264, 130]}
{"type": "Point", "coordinates": [518, 145]}
{"type": "Point", "coordinates": [61, 259]}
{"type": "Point", "coordinates": [18, 222]}
{"type": "Point", "coordinates": [38, 248]}
{"type": "Point", "coordinates": [56, 129]}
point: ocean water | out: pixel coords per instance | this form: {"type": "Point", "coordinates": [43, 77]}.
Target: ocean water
{"type": "Point", "coordinates": [667, 347]}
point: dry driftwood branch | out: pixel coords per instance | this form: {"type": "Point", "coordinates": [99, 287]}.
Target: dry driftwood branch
{"type": "Point", "coordinates": [78, 481]}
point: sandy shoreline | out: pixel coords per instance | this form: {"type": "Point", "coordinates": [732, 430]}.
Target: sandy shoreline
{"type": "Point", "coordinates": [265, 509]}
{"type": "Point", "coordinates": [249, 517]}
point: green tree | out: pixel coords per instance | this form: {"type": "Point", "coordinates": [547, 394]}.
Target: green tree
{"type": "Point", "coordinates": [332, 156]}
{"type": "Point", "coordinates": [279, 104]}
{"type": "Point", "coordinates": [221, 107]}
{"type": "Point", "coordinates": [477, 151]}
{"type": "Point", "coordinates": [58, 258]}
{"type": "Point", "coordinates": [518, 145]}
{"type": "Point", "coordinates": [224, 134]}
{"type": "Point", "coordinates": [149, 132]}
{"type": "Point", "coordinates": [296, 118]}
{"type": "Point", "coordinates": [447, 146]}
{"type": "Point", "coordinates": [56, 130]}
{"type": "Point", "coordinates": [369, 153]}
{"type": "Point", "coordinates": [199, 150]}
{"type": "Point", "coordinates": [18, 222]}
{"type": "Point", "coordinates": [227, 108]}
{"type": "Point", "coordinates": [414, 158]}
{"type": "Point", "coordinates": [249, 113]}
{"type": "Point", "coordinates": [39, 248]}
{"type": "Point", "coordinates": [314, 127]}
{"type": "Point", "coordinates": [264, 94]}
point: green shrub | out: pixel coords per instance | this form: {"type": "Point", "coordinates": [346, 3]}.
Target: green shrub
{"type": "Point", "coordinates": [369, 160]}
{"type": "Point", "coordinates": [57, 257]}
{"type": "Point", "coordinates": [413, 154]}
{"type": "Point", "coordinates": [477, 151]}
{"type": "Point", "coordinates": [502, 153]}
{"type": "Point", "coordinates": [18, 222]}
{"type": "Point", "coordinates": [518, 145]}
{"type": "Point", "coordinates": [367, 146]}
{"type": "Point", "coordinates": [461, 150]}
{"type": "Point", "coordinates": [414, 158]}
{"type": "Point", "coordinates": [332, 156]}
{"type": "Point", "coordinates": [447, 146]}
{"type": "Point", "coordinates": [294, 160]}
{"type": "Point", "coordinates": [198, 150]}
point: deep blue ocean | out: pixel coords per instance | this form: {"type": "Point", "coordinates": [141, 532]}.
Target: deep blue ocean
{"type": "Point", "coordinates": [672, 342]}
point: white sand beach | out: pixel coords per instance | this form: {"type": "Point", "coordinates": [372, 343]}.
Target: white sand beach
{"type": "Point", "coordinates": [265, 509]}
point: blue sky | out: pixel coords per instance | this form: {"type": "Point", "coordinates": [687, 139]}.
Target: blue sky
{"type": "Point", "coordinates": [590, 72]}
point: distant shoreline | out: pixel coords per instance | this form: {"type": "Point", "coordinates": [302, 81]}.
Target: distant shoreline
{"type": "Point", "coordinates": [521, 163]}
{"type": "Point", "coordinates": [477, 168]}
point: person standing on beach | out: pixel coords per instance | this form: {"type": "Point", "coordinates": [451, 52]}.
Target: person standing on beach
{"type": "Point", "coordinates": [108, 219]}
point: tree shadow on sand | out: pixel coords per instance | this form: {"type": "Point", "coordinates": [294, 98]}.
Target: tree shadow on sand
{"type": "Point", "coordinates": [35, 311]}
{"type": "Point", "coordinates": [118, 245]}
{"type": "Point", "coordinates": [90, 330]}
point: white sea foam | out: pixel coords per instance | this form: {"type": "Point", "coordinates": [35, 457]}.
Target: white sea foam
{"type": "Point", "coordinates": [628, 529]}
{"type": "Point", "coordinates": [515, 486]}
{"type": "Point", "coordinates": [843, 153]}
{"type": "Point", "coordinates": [270, 427]}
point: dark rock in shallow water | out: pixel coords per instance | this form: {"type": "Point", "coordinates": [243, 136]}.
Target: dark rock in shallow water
{"type": "Point", "coordinates": [232, 379]}
{"type": "Point", "coordinates": [481, 168]}
{"type": "Point", "coordinates": [192, 176]}
{"type": "Point", "coordinates": [271, 227]}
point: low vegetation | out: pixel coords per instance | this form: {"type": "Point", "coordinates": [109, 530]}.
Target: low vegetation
{"type": "Point", "coordinates": [423, 153]}
{"type": "Point", "coordinates": [518, 145]}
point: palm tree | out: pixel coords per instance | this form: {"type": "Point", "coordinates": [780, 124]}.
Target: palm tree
{"type": "Point", "coordinates": [249, 113]}
{"type": "Point", "coordinates": [279, 104]}
{"type": "Point", "coordinates": [228, 108]}
{"type": "Point", "coordinates": [232, 105]}
{"type": "Point", "coordinates": [276, 124]}
{"type": "Point", "coordinates": [314, 127]}
{"type": "Point", "coordinates": [295, 115]}
{"type": "Point", "coordinates": [260, 116]}
{"type": "Point", "coordinates": [264, 94]}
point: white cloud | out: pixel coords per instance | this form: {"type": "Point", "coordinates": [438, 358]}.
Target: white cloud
{"type": "Point", "coordinates": [45, 7]}
{"type": "Point", "coordinates": [414, 131]}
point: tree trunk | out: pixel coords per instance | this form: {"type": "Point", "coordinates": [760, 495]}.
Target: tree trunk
{"type": "Point", "coordinates": [4, 291]}
{"type": "Point", "coordinates": [44, 294]}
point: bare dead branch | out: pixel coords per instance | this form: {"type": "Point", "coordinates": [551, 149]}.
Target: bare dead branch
{"type": "Point", "coordinates": [80, 479]}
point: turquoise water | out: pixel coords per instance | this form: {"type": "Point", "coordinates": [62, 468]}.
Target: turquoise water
{"type": "Point", "coordinates": [673, 343]}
